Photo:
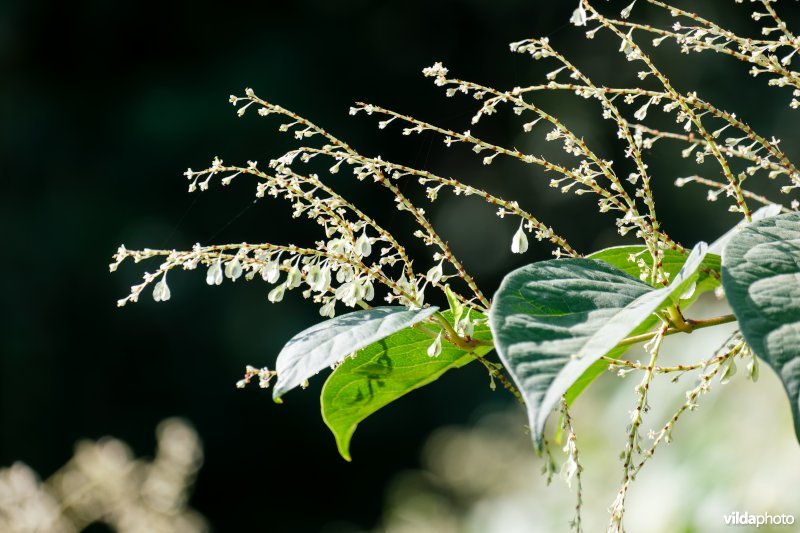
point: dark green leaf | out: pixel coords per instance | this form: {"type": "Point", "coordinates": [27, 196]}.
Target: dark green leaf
{"type": "Point", "coordinates": [553, 320]}
{"type": "Point", "coordinates": [761, 277]}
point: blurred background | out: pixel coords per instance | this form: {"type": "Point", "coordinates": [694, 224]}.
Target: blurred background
{"type": "Point", "coordinates": [104, 105]}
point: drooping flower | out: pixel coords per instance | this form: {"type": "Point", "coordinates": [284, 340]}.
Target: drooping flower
{"type": "Point", "coordinates": [579, 15]}
{"type": "Point", "coordinates": [276, 294]}
{"type": "Point", "coordinates": [641, 113]}
{"type": "Point", "coordinates": [329, 308]}
{"type": "Point", "coordinates": [337, 246]}
{"type": "Point", "coordinates": [214, 274]}
{"type": "Point", "coordinates": [323, 281]}
{"type": "Point", "coordinates": [625, 13]}
{"type": "Point", "coordinates": [293, 278]}
{"type": "Point", "coordinates": [270, 272]}
{"type": "Point", "coordinates": [363, 247]}
{"type": "Point", "coordinates": [161, 290]}
{"type": "Point", "coordinates": [728, 371]}
{"type": "Point", "coordinates": [344, 274]}
{"type": "Point", "coordinates": [435, 349]}
{"type": "Point", "coordinates": [313, 275]}
{"type": "Point", "coordinates": [434, 275]}
{"type": "Point", "coordinates": [465, 326]}
{"type": "Point", "coordinates": [233, 269]}
{"type": "Point", "coordinates": [368, 291]}
{"type": "Point", "coordinates": [519, 244]}
{"type": "Point", "coordinates": [349, 293]}
{"type": "Point", "coordinates": [569, 469]}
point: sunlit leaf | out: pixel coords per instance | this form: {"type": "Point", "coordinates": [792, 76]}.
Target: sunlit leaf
{"type": "Point", "coordinates": [385, 371]}
{"type": "Point", "coordinates": [672, 262]}
{"type": "Point", "coordinates": [327, 343]}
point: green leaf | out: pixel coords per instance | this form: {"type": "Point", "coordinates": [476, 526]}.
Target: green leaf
{"type": "Point", "coordinates": [673, 261]}
{"type": "Point", "coordinates": [383, 372]}
{"type": "Point", "coordinates": [761, 277]}
{"type": "Point", "coordinates": [327, 343]}
{"type": "Point", "coordinates": [555, 319]}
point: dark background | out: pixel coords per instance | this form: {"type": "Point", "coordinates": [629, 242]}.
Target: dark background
{"type": "Point", "coordinates": [103, 105]}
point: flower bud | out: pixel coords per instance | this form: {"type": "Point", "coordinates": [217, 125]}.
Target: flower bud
{"type": "Point", "coordinates": [519, 244]}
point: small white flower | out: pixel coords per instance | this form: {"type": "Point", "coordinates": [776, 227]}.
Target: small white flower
{"type": "Point", "coordinates": [161, 290]}
{"type": "Point", "coordinates": [345, 274]}
{"type": "Point", "coordinates": [625, 13]}
{"type": "Point", "coordinates": [270, 272]}
{"type": "Point", "coordinates": [293, 278]}
{"type": "Point", "coordinates": [434, 275]}
{"type": "Point", "coordinates": [437, 70]}
{"type": "Point", "coordinates": [403, 284]}
{"type": "Point", "coordinates": [349, 293]}
{"type": "Point", "coordinates": [233, 269]}
{"type": "Point", "coordinates": [337, 246]}
{"type": "Point", "coordinates": [569, 469]}
{"type": "Point", "coordinates": [313, 275]}
{"type": "Point", "coordinates": [465, 326]}
{"type": "Point", "coordinates": [641, 113]}
{"type": "Point", "coordinates": [625, 46]}
{"type": "Point", "coordinates": [368, 291]}
{"type": "Point", "coordinates": [435, 349]}
{"type": "Point", "coordinates": [579, 16]}
{"type": "Point", "coordinates": [324, 280]}
{"type": "Point", "coordinates": [214, 274]}
{"type": "Point", "coordinates": [519, 244]}
{"type": "Point", "coordinates": [363, 247]}
{"type": "Point", "coordinates": [728, 372]}
{"type": "Point", "coordinates": [276, 294]}
{"type": "Point", "coordinates": [329, 308]}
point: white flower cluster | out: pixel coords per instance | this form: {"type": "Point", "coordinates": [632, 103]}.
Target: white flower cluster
{"type": "Point", "coordinates": [335, 272]}
{"type": "Point", "coordinates": [264, 375]}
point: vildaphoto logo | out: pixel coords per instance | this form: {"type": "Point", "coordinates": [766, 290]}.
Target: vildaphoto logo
{"type": "Point", "coordinates": [748, 519]}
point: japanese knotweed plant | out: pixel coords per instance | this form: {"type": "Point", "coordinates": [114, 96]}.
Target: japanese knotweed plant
{"type": "Point", "coordinates": [555, 325]}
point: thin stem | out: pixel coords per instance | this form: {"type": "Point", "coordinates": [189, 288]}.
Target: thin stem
{"type": "Point", "coordinates": [661, 369]}
{"type": "Point", "coordinates": [632, 445]}
{"type": "Point", "coordinates": [717, 185]}
{"type": "Point", "coordinates": [685, 104]}
{"type": "Point", "coordinates": [470, 344]}
{"type": "Point", "coordinates": [691, 398]}
{"type": "Point", "coordinates": [695, 324]}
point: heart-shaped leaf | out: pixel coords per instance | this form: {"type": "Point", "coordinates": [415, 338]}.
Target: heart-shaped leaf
{"type": "Point", "coordinates": [327, 343]}
{"type": "Point", "coordinates": [553, 320]}
{"type": "Point", "coordinates": [761, 277]}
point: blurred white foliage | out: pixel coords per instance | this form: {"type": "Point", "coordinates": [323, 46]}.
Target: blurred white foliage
{"type": "Point", "coordinates": [103, 482]}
